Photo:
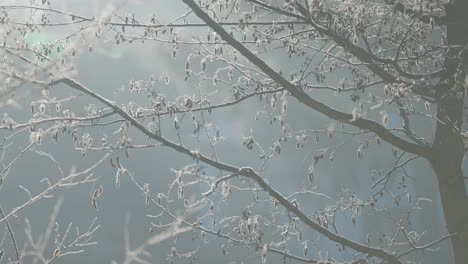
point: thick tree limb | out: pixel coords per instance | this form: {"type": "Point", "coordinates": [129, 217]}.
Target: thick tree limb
{"type": "Point", "coordinates": [304, 98]}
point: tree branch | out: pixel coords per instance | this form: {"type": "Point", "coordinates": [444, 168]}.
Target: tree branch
{"type": "Point", "coordinates": [246, 172]}
{"type": "Point", "coordinates": [406, 125]}
{"type": "Point", "coordinates": [12, 236]}
{"type": "Point", "coordinates": [80, 19]}
{"type": "Point", "coordinates": [424, 17]}
{"type": "Point", "coordinates": [370, 59]}
{"type": "Point", "coordinates": [304, 98]}
{"type": "Point", "coordinates": [277, 10]}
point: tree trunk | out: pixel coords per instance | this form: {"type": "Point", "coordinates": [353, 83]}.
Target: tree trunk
{"type": "Point", "coordinates": [446, 162]}
{"type": "Point", "coordinates": [448, 147]}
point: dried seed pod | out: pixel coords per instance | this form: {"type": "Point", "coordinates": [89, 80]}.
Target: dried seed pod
{"type": "Point", "coordinates": [203, 65]}
{"type": "Point", "coordinates": [176, 123]}
{"type": "Point", "coordinates": [96, 194]}
{"type": "Point", "coordinates": [427, 105]}
{"type": "Point", "coordinates": [211, 208]}
{"type": "Point", "coordinates": [264, 253]}
{"type": "Point", "coordinates": [159, 197]}
{"type": "Point", "coordinates": [359, 152]}
{"type": "Point", "coordinates": [42, 108]}
{"type": "Point", "coordinates": [384, 118]}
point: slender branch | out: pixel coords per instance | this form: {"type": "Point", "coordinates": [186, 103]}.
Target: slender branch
{"type": "Point", "coordinates": [395, 167]}
{"type": "Point", "coordinates": [294, 257]}
{"type": "Point", "coordinates": [65, 181]}
{"type": "Point", "coordinates": [396, 66]}
{"type": "Point", "coordinates": [426, 246]}
{"type": "Point", "coordinates": [4, 172]}
{"type": "Point", "coordinates": [12, 235]}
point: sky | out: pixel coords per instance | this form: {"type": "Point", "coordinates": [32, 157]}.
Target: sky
{"type": "Point", "coordinates": [109, 68]}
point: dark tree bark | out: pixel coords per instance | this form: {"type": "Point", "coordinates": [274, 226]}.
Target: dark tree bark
{"type": "Point", "coordinates": [448, 148]}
